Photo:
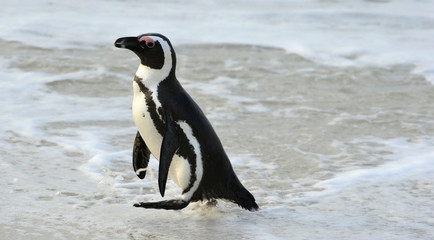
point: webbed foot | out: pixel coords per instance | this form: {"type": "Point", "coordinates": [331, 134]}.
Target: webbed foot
{"type": "Point", "coordinates": [168, 205]}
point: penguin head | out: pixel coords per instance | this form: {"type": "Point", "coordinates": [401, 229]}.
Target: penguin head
{"type": "Point", "coordinates": [154, 50]}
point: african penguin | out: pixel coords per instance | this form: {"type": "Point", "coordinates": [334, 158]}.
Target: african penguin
{"type": "Point", "coordinates": [173, 128]}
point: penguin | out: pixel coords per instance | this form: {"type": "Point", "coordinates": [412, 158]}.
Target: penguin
{"type": "Point", "coordinates": [173, 128]}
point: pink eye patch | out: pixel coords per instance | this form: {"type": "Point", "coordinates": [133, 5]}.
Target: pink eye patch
{"type": "Point", "coordinates": [150, 43]}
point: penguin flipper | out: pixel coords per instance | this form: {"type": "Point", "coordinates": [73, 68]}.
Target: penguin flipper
{"type": "Point", "coordinates": [168, 148]}
{"type": "Point", "coordinates": [141, 155]}
{"type": "Point", "coordinates": [174, 204]}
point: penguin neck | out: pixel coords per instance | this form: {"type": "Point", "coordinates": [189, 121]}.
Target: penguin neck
{"type": "Point", "coordinates": [151, 77]}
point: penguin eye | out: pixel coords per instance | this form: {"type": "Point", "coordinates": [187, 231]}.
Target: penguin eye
{"type": "Point", "coordinates": [149, 42]}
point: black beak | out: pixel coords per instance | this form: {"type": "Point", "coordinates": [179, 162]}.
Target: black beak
{"type": "Point", "coordinates": [131, 43]}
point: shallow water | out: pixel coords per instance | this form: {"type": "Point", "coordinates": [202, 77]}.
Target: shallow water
{"type": "Point", "coordinates": [329, 152]}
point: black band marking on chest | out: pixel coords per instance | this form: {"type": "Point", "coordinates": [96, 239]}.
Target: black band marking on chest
{"type": "Point", "coordinates": [152, 108]}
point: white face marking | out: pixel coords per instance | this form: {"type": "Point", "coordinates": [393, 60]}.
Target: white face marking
{"type": "Point", "coordinates": [152, 77]}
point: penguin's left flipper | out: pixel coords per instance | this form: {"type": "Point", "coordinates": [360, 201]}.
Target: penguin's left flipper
{"type": "Point", "coordinates": [141, 155]}
{"type": "Point", "coordinates": [168, 148]}
{"type": "Point", "coordinates": [168, 205]}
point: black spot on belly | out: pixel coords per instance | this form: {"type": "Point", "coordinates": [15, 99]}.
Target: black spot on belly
{"type": "Point", "coordinates": [152, 108]}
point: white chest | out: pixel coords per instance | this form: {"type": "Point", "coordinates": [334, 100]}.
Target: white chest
{"type": "Point", "coordinates": [145, 124]}
{"type": "Point", "coordinates": [179, 169]}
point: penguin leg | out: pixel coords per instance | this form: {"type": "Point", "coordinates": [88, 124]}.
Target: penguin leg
{"type": "Point", "coordinates": [211, 203]}
{"type": "Point", "coordinates": [174, 204]}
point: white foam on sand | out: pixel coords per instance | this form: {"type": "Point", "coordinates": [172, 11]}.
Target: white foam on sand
{"type": "Point", "coordinates": [409, 159]}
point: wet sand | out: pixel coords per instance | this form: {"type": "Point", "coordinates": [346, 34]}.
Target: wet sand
{"type": "Point", "coordinates": [288, 124]}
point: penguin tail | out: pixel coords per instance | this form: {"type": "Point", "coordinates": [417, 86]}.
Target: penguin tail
{"type": "Point", "coordinates": [246, 200]}
{"type": "Point", "coordinates": [242, 196]}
